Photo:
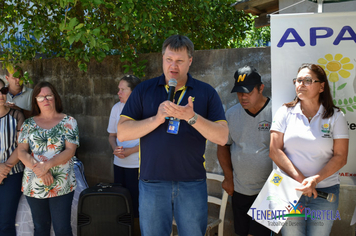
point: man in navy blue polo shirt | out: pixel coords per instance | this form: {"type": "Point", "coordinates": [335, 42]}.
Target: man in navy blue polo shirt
{"type": "Point", "coordinates": [172, 163]}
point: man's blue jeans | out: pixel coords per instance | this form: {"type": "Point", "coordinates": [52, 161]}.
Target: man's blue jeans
{"type": "Point", "coordinates": [160, 200]}
{"type": "Point", "coordinates": [56, 210]}
{"type": "Point", "coordinates": [312, 227]}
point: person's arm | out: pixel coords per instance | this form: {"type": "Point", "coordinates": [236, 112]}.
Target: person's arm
{"type": "Point", "coordinates": [216, 132]}
{"type": "Point", "coordinates": [280, 158]}
{"type": "Point", "coordinates": [27, 159]}
{"type": "Point", "coordinates": [5, 169]}
{"type": "Point", "coordinates": [128, 151]}
{"type": "Point", "coordinates": [26, 113]}
{"type": "Point", "coordinates": [13, 159]}
{"type": "Point", "coordinates": [31, 162]}
{"type": "Point", "coordinates": [47, 179]}
{"type": "Point", "coordinates": [338, 160]}
{"type": "Point", "coordinates": [224, 157]}
{"type": "Point", "coordinates": [41, 168]}
{"type": "Point", "coordinates": [24, 156]}
{"type": "Point", "coordinates": [129, 129]}
{"type": "Point", "coordinates": [116, 150]}
{"type": "Point", "coordinates": [12, 106]}
{"type": "Point", "coordinates": [112, 141]}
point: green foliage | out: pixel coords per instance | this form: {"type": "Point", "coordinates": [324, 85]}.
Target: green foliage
{"type": "Point", "coordinates": [80, 30]}
{"type": "Point", "coordinates": [341, 86]}
{"type": "Point", "coordinates": [11, 69]}
{"type": "Point", "coordinates": [346, 104]}
{"type": "Point", "coordinates": [25, 79]}
{"type": "Point", "coordinates": [255, 37]}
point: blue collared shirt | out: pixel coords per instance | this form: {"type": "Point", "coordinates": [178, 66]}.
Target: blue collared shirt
{"type": "Point", "coordinates": [173, 157]}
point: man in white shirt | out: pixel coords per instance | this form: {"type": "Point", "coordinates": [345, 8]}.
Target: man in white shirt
{"type": "Point", "coordinates": [19, 96]}
{"type": "Point", "coordinates": [244, 159]}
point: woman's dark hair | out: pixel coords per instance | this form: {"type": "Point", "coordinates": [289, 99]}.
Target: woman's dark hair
{"type": "Point", "coordinates": [36, 90]}
{"type": "Point", "coordinates": [325, 97]}
{"type": "Point", "coordinates": [1, 81]}
{"type": "Point", "coordinates": [132, 81]}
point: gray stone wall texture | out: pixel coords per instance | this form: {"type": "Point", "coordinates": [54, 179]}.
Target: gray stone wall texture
{"type": "Point", "coordinates": [90, 96]}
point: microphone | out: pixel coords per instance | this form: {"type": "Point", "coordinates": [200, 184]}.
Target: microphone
{"type": "Point", "coordinates": [330, 197]}
{"type": "Point", "coordinates": [172, 83]}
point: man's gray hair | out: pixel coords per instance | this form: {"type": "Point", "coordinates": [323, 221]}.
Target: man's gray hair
{"type": "Point", "coordinates": [178, 42]}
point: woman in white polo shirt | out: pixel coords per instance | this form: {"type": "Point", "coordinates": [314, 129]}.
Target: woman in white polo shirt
{"type": "Point", "coordinates": [309, 142]}
{"type": "Point", "coordinates": [126, 156]}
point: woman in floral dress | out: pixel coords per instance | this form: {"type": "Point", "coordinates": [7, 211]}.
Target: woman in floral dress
{"type": "Point", "coordinates": [49, 180]}
{"type": "Point", "coordinates": [11, 169]}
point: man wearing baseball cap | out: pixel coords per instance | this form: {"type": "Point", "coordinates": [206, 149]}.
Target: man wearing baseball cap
{"type": "Point", "coordinates": [244, 159]}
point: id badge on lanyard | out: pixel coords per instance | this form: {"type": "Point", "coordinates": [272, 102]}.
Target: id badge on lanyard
{"type": "Point", "coordinates": [173, 124]}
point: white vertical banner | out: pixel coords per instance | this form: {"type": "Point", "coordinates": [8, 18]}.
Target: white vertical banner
{"type": "Point", "coordinates": [326, 39]}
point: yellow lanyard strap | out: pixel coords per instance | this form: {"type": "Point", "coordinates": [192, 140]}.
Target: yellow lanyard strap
{"type": "Point", "coordinates": [184, 88]}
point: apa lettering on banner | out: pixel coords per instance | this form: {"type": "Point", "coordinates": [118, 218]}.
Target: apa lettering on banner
{"type": "Point", "coordinates": [314, 35]}
{"type": "Point", "coordinates": [297, 38]}
{"type": "Point", "coordinates": [342, 34]}
{"type": "Point", "coordinates": [317, 33]}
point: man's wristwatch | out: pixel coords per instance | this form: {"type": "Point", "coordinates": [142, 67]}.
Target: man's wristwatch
{"type": "Point", "coordinates": [192, 120]}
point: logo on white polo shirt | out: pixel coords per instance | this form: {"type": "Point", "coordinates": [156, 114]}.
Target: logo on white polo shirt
{"type": "Point", "coordinates": [325, 129]}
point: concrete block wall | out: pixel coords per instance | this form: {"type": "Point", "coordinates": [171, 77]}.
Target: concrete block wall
{"type": "Point", "coordinates": [90, 96]}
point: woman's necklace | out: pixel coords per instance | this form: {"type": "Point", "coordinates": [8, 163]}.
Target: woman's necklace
{"type": "Point", "coordinates": [309, 117]}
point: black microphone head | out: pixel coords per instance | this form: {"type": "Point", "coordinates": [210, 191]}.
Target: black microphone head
{"type": "Point", "coordinates": [172, 83]}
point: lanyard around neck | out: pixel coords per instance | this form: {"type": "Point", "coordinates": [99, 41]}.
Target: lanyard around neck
{"type": "Point", "coordinates": [184, 88]}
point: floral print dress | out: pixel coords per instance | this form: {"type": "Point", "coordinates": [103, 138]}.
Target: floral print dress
{"type": "Point", "coordinates": [45, 144]}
